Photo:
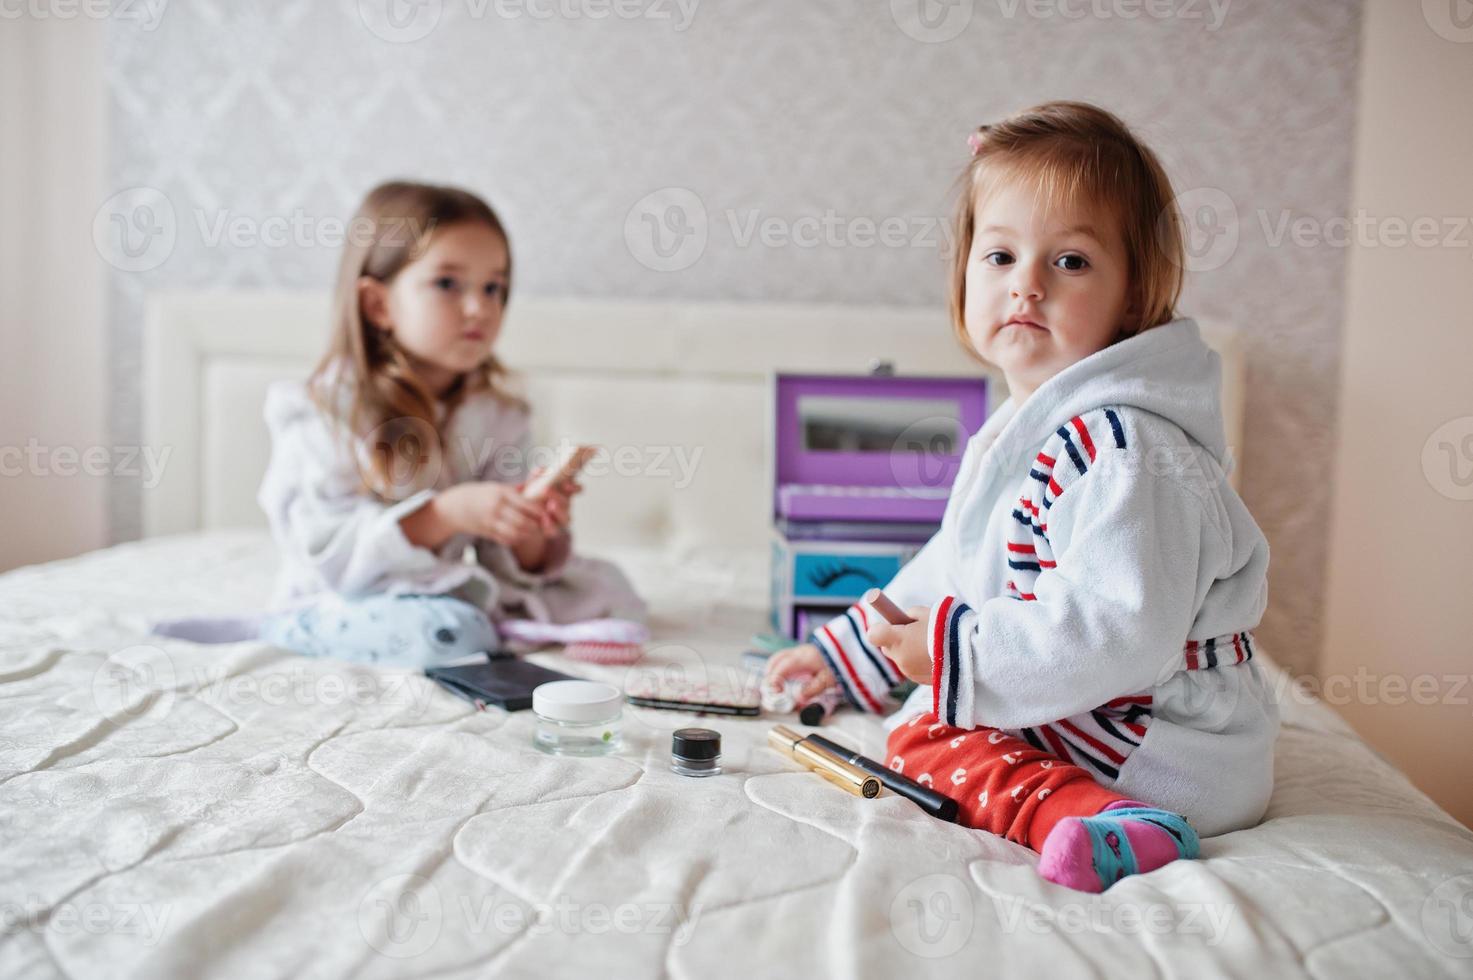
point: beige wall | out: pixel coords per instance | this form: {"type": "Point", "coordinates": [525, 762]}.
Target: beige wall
{"type": "Point", "coordinates": [52, 356]}
{"type": "Point", "coordinates": [1400, 598]}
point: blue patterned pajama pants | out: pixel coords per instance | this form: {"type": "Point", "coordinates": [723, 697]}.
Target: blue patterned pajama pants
{"type": "Point", "coordinates": [385, 630]}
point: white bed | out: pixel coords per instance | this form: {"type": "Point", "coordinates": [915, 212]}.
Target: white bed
{"type": "Point", "coordinates": [174, 810]}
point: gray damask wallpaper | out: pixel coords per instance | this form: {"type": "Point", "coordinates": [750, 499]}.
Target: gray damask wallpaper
{"type": "Point", "coordinates": [746, 150]}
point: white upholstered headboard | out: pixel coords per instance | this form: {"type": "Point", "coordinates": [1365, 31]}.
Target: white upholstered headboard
{"type": "Point", "coordinates": [674, 381]}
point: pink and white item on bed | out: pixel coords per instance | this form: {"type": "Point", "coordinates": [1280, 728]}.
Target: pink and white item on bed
{"type": "Point", "coordinates": [592, 631]}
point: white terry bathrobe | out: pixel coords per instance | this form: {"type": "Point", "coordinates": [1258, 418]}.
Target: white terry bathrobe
{"type": "Point", "coordinates": [338, 542]}
{"type": "Point", "coordinates": [1093, 585]}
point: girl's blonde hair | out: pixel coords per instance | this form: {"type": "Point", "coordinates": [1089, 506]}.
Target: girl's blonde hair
{"type": "Point", "coordinates": [1069, 152]}
{"type": "Point", "coordinates": [365, 382]}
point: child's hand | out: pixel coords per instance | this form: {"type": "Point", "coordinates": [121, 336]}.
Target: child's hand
{"type": "Point", "coordinates": [490, 510]}
{"type": "Point", "coordinates": [906, 645]}
{"type": "Point", "coordinates": [800, 661]}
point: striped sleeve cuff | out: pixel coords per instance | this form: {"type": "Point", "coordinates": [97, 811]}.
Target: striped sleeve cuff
{"type": "Point", "coordinates": [952, 684]}
{"type": "Point", "coordinates": [865, 674]}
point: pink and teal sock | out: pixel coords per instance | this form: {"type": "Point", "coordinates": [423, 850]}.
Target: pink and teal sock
{"type": "Point", "coordinates": [1090, 854]}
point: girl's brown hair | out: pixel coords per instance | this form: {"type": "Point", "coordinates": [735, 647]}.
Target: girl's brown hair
{"type": "Point", "coordinates": [1074, 151]}
{"type": "Point", "coordinates": [365, 381]}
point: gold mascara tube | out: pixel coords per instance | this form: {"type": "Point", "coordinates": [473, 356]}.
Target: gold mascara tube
{"type": "Point", "coordinates": [848, 777]}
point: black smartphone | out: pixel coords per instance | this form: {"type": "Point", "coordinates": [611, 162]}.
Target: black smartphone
{"type": "Point", "coordinates": [504, 681]}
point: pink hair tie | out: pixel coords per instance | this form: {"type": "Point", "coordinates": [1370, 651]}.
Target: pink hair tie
{"type": "Point", "coordinates": [975, 142]}
{"type": "Point", "coordinates": [588, 631]}
{"type": "Point", "coordinates": [612, 654]}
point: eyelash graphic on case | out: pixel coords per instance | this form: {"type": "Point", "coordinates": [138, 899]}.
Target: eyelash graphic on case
{"type": "Point", "coordinates": [826, 575]}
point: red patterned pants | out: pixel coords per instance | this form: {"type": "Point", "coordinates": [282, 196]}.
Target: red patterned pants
{"type": "Point", "coordinates": [1001, 783]}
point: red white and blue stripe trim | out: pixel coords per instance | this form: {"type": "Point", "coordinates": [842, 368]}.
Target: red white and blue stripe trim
{"type": "Point", "coordinates": [865, 674]}
{"type": "Point", "coordinates": [1100, 739]}
{"type": "Point", "coordinates": [1065, 457]}
{"type": "Point", "coordinates": [951, 661]}
{"type": "Point", "coordinates": [1226, 650]}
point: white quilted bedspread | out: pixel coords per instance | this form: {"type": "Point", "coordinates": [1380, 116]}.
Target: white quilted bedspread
{"type": "Point", "coordinates": [172, 810]}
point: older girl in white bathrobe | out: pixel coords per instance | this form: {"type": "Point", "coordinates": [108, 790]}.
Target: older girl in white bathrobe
{"type": "Point", "coordinates": [1082, 619]}
{"type": "Point", "coordinates": [394, 488]}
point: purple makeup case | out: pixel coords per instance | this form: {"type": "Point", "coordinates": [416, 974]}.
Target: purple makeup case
{"type": "Point", "coordinates": [861, 470]}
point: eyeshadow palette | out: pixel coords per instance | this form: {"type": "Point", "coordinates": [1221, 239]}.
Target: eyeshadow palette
{"type": "Point", "coordinates": [652, 690]}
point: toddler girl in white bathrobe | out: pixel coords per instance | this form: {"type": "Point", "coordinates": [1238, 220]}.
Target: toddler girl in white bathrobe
{"type": "Point", "coordinates": [1082, 638]}
{"type": "Point", "coordinates": [394, 488]}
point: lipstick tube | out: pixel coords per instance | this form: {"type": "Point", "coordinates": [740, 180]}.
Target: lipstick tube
{"type": "Point", "coordinates": [847, 777]}
{"type": "Point", "coordinates": [883, 604]}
